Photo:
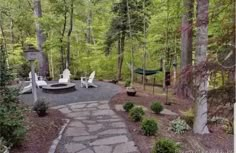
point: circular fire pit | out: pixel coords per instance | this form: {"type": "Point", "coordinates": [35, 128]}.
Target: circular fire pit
{"type": "Point", "coordinates": [59, 88]}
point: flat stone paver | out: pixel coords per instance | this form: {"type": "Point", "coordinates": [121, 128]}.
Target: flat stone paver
{"type": "Point", "coordinates": [94, 128]}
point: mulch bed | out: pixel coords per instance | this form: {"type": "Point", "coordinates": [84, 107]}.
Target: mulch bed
{"type": "Point", "coordinates": [41, 132]}
{"type": "Point", "coordinates": [217, 139]}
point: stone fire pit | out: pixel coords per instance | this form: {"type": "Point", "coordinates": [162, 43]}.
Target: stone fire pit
{"type": "Point", "coordinates": [59, 88]}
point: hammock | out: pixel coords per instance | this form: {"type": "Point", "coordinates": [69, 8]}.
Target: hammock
{"type": "Point", "coordinates": [146, 72]}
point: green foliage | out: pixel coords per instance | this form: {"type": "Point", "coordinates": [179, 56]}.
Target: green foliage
{"type": "Point", "coordinates": [179, 126]}
{"type": "Point", "coordinates": [136, 114]}
{"type": "Point", "coordinates": [188, 116]}
{"type": "Point", "coordinates": [128, 106]}
{"type": "Point", "coordinates": [165, 146]}
{"type": "Point", "coordinates": [23, 70]}
{"type": "Point", "coordinates": [41, 107]}
{"type": "Point", "coordinates": [156, 107]}
{"type": "Point", "coordinates": [11, 124]}
{"type": "Point", "coordinates": [149, 127]}
{"type": "Point", "coordinates": [127, 83]}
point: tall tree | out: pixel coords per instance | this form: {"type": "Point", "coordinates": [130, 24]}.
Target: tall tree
{"type": "Point", "coordinates": [69, 33]}
{"type": "Point", "coordinates": [43, 61]}
{"type": "Point", "coordinates": [120, 26]}
{"type": "Point", "coordinates": [187, 33]}
{"type": "Point", "coordinates": [201, 82]}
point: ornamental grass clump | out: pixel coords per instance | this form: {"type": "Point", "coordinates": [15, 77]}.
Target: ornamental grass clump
{"type": "Point", "coordinates": [149, 127]}
{"type": "Point", "coordinates": [136, 114]}
{"type": "Point", "coordinates": [128, 106]}
{"type": "Point", "coordinates": [156, 107]}
{"type": "Point", "coordinates": [179, 126]}
{"type": "Point", "coordinates": [165, 146]}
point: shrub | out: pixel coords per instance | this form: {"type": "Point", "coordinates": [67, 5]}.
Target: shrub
{"type": "Point", "coordinates": [188, 116]}
{"type": "Point", "coordinates": [11, 124]}
{"type": "Point", "coordinates": [128, 106]}
{"type": "Point", "coordinates": [136, 114]}
{"type": "Point", "coordinates": [179, 126]}
{"type": "Point", "coordinates": [156, 107]}
{"type": "Point", "coordinates": [165, 146]}
{"type": "Point", "coordinates": [149, 127]}
{"type": "Point", "coordinates": [127, 83]}
{"type": "Point", "coordinates": [41, 107]}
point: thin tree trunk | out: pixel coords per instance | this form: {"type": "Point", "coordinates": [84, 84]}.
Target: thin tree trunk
{"type": "Point", "coordinates": [201, 82]}
{"type": "Point", "coordinates": [69, 34]}
{"type": "Point", "coordinates": [43, 61]}
{"type": "Point", "coordinates": [62, 48]}
{"type": "Point", "coordinates": [187, 34]}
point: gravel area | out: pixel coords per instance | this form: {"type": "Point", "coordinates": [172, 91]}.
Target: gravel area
{"type": "Point", "coordinates": [104, 91]}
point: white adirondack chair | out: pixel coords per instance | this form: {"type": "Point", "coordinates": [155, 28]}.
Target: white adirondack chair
{"type": "Point", "coordinates": [88, 82]}
{"type": "Point", "coordinates": [65, 76]}
{"type": "Point", "coordinates": [27, 89]}
{"type": "Point", "coordinates": [38, 79]}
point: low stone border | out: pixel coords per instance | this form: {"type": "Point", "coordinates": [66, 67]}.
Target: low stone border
{"type": "Point", "coordinates": [57, 140]}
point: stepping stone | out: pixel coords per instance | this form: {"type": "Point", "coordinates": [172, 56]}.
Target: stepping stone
{"type": "Point", "coordinates": [77, 106]}
{"type": "Point", "coordinates": [70, 132]}
{"type": "Point", "coordinates": [109, 120]}
{"type": "Point", "coordinates": [143, 107]}
{"type": "Point", "coordinates": [78, 114]}
{"type": "Point", "coordinates": [81, 118]}
{"type": "Point", "coordinates": [84, 138]}
{"type": "Point", "coordinates": [119, 107]}
{"type": "Point", "coordinates": [74, 147]}
{"type": "Point", "coordinates": [77, 124]}
{"type": "Point", "coordinates": [65, 110]}
{"type": "Point", "coordinates": [104, 106]}
{"type": "Point", "coordinates": [59, 107]}
{"type": "Point", "coordinates": [110, 140]}
{"type": "Point", "coordinates": [125, 147]}
{"type": "Point", "coordinates": [102, 149]}
{"type": "Point", "coordinates": [86, 151]}
{"type": "Point", "coordinates": [92, 105]}
{"type": "Point", "coordinates": [113, 131]}
{"type": "Point", "coordinates": [118, 125]}
{"type": "Point", "coordinates": [94, 127]}
{"type": "Point", "coordinates": [89, 121]}
{"type": "Point", "coordinates": [103, 112]}
{"type": "Point", "coordinates": [168, 112]}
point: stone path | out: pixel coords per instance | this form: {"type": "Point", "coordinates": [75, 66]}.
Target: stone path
{"type": "Point", "coordinates": [94, 128]}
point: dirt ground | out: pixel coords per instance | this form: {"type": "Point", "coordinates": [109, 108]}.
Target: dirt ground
{"type": "Point", "coordinates": [217, 140]}
{"type": "Point", "coordinates": [41, 132]}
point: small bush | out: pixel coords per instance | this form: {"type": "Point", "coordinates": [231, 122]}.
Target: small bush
{"type": "Point", "coordinates": [149, 127]}
{"type": "Point", "coordinates": [41, 107]}
{"type": "Point", "coordinates": [128, 106]}
{"type": "Point", "coordinates": [165, 146]}
{"type": "Point", "coordinates": [156, 107]}
{"type": "Point", "coordinates": [127, 83]}
{"type": "Point", "coordinates": [188, 116]}
{"type": "Point", "coordinates": [136, 114]}
{"type": "Point", "coordinates": [179, 126]}
{"type": "Point", "coordinates": [11, 124]}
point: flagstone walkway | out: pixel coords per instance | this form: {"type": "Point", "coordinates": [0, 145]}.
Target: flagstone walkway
{"type": "Point", "coordinates": [94, 128]}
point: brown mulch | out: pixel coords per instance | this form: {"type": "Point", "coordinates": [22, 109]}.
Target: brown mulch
{"type": "Point", "coordinates": [217, 139]}
{"type": "Point", "coordinates": [41, 132]}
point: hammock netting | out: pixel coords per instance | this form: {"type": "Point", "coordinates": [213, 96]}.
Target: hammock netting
{"type": "Point", "coordinates": [146, 72]}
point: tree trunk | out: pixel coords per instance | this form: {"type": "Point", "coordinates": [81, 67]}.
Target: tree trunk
{"type": "Point", "coordinates": [187, 34]}
{"type": "Point", "coordinates": [201, 82]}
{"type": "Point", "coordinates": [69, 34]}
{"type": "Point", "coordinates": [121, 46]}
{"type": "Point", "coordinates": [43, 61]}
{"type": "Point", "coordinates": [62, 47]}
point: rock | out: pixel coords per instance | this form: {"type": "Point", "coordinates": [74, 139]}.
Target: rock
{"type": "Point", "coordinates": [113, 131]}
{"type": "Point", "coordinates": [103, 149]}
{"type": "Point", "coordinates": [125, 147]}
{"type": "Point", "coordinates": [119, 108]}
{"type": "Point", "coordinates": [65, 110]}
{"type": "Point", "coordinates": [103, 112]}
{"type": "Point", "coordinates": [118, 125]}
{"type": "Point", "coordinates": [168, 112]}
{"type": "Point", "coordinates": [77, 124]}
{"type": "Point", "coordinates": [75, 132]}
{"type": "Point", "coordinates": [84, 138]}
{"type": "Point", "coordinates": [110, 140]}
{"type": "Point", "coordinates": [86, 151]}
{"type": "Point", "coordinates": [74, 147]}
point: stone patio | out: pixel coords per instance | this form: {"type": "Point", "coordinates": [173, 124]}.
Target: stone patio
{"type": "Point", "coordinates": [94, 128]}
